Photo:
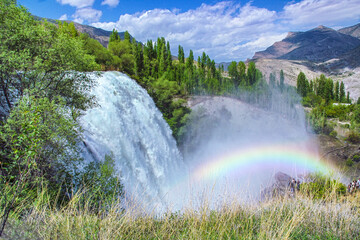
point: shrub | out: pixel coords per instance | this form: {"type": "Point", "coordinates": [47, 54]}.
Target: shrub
{"type": "Point", "coordinates": [333, 134]}
{"type": "Point", "coordinates": [356, 158]}
{"type": "Point", "coordinates": [349, 162]}
{"type": "Point", "coordinates": [328, 129]}
{"type": "Point", "coordinates": [322, 187]}
{"type": "Point", "coordinates": [353, 137]}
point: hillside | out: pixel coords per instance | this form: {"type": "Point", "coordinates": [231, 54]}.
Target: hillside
{"type": "Point", "coordinates": [317, 45]}
{"type": "Point", "coordinates": [318, 51]}
{"type": "Point", "coordinates": [96, 33]}
{"type": "Point", "coordinates": [352, 31]}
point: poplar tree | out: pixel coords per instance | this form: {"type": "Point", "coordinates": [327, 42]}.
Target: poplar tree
{"type": "Point", "coordinates": [251, 73]}
{"type": "Point", "coordinates": [282, 80]}
{"type": "Point", "coordinates": [336, 91]}
{"type": "Point", "coordinates": [114, 36]}
{"type": "Point", "coordinates": [190, 62]}
{"type": "Point", "coordinates": [181, 55]}
{"type": "Point", "coordinates": [342, 92]}
{"type": "Point", "coordinates": [272, 80]}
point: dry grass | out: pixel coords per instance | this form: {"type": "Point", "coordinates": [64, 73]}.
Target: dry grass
{"type": "Point", "coordinates": [287, 218]}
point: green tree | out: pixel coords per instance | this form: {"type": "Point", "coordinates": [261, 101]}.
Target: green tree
{"type": "Point", "coordinates": [251, 73]}
{"type": "Point", "coordinates": [181, 55]}
{"type": "Point", "coordinates": [41, 58]}
{"type": "Point", "coordinates": [138, 58]}
{"type": "Point", "coordinates": [342, 92]}
{"type": "Point", "coordinates": [190, 62]}
{"type": "Point", "coordinates": [234, 73]}
{"type": "Point", "coordinates": [114, 36]}
{"type": "Point", "coordinates": [329, 90]}
{"type": "Point", "coordinates": [282, 79]}
{"type": "Point", "coordinates": [301, 85]}
{"type": "Point", "coordinates": [127, 37]}
{"type": "Point", "coordinates": [272, 80]}
{"type": "Point", "coordinates": [123, 51]}
{"type": "Point", "coordinates": [39, 146]}
{"type": "Point", "coordinates": [242, 73]}
{"type": "Point", "coordinates": [337, 92]}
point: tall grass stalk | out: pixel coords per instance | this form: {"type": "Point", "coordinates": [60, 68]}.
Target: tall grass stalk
{"type": "Point", "coordinates": [299, 217]}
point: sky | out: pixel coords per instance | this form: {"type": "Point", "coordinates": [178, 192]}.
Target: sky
{"type": "Point", "coordinates": [225, 30]}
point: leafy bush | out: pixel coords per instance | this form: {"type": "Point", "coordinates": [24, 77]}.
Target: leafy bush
{"type": "Point", "coordinates": [322, 187]}
{"type": "Point", "coordinates": [101, 183]}
{"type": "Point", "coordinates": [353, 137]}
{"type": "Point", "coordinates": [333, 134]}
{"type": "Point", "coordinates": [356, 158]}
{"type": "Point", "coordinates": [349, 162]}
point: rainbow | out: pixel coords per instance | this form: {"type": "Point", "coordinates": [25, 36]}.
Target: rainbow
{"type": "Point", "coordinates": [261, 157]}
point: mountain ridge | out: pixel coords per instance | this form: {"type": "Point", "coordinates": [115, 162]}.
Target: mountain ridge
{"type": "Point", "coordinates": [316, 45]}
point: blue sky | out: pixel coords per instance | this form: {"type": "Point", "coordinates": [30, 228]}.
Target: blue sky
{"type": "Point", "coordinates": [225, 30]}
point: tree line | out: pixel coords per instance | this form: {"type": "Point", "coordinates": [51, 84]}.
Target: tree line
{"type": "Point", "coordinates": [320, 94]}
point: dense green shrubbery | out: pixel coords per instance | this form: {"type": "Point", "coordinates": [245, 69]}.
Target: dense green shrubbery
{"type": "Point", "coordinates": [322, 187]}
{"type": "Point", "coordinates": [353, 137]}
{"type": "Point", "coordinates": [326, 101]}
{"type": "Point", "coordinates": [45, 89]}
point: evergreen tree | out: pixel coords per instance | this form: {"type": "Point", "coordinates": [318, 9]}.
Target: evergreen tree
{"type": "Point", "coordinates": [251, 73]}
{"type": "Point", "coordinates": [328, 90]}
{"type": "Point", "coordinates": [242, 73]}
{"type": "Point", "coordinates": [311, 87]}
{"type": "Point", "coordinates": [272, 80]}
{"type": "Point", "coordinates": [127, 37]}
{"type": "Point", "coordinates": [233, 73]}
{"type": "Point", "coordinates": [181, 55]}
{"type": "Point", "coordinates": [282, 79]}
{"type": "Point", "coordinates": [321, 86]}
{"type": "Point", "coordinates": [342, 92]}
{"type": "Point", "coordinates": [139, 58]}
{"type": "Point", "coordinates": [168, 56]}
{"type": "Point", "coordinates": [114, 36]}
{"type": "Point", "coordinates": [190, 62]}
{"type": "Point", "coordinates": [336, 91]}
{"type": "Point", "coordinates": [348, 97]}
{"type": "Point", "coordinates": [301, 85]}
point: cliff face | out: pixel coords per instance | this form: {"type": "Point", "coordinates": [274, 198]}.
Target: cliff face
{"type": "Point", "coordinates": [317, 45]}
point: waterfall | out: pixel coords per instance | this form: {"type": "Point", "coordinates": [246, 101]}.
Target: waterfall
{"type": "Point", "coordinates": [232, 148]}
{"type": "Point", "coordinates": [127, 125]}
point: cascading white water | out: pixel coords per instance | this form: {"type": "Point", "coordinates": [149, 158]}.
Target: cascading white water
{"type": "Point", "coordinates": [127, 125]}
{"type": "Point", "coordinates": [231, 149]}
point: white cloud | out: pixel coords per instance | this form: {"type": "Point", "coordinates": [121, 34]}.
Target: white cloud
{"type": "Point", "coordinates": [229, 31]}
{"type": "Point", "coordinates": [77, 3]}
{"type": "Point", "coordinates": [215, 29]}
{"type": "Point", "coordinates": [264, 41]}
{"type": "Point", "coordinates": [63, 17]}
{"type": "Point", "coordinates": [87, 14]}
{"type": "Point", "coordinates": [321, 12]}
{"type": "Point", "coordinates": [111, 3]}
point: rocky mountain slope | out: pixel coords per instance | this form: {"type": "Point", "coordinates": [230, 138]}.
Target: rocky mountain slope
{"type": "Point", "coordinates": [96, 33]}
{"type": "Point", "coordinates": [318, 51]}
{"type": "Point", "coordinates": [352, 31]}
{"type": "Point", "coordinates": [317, 45]}
{"type": "Point", "coordinates": [99, 34]}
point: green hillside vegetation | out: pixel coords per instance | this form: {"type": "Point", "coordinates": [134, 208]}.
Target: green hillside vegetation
{"type": "Point", "coordinates": [329, 105]}
{"type": "Point", "coordinates": [45, 90]}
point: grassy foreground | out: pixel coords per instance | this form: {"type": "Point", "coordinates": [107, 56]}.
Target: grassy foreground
{"type": "Point", "coordinates": [286, 218]}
